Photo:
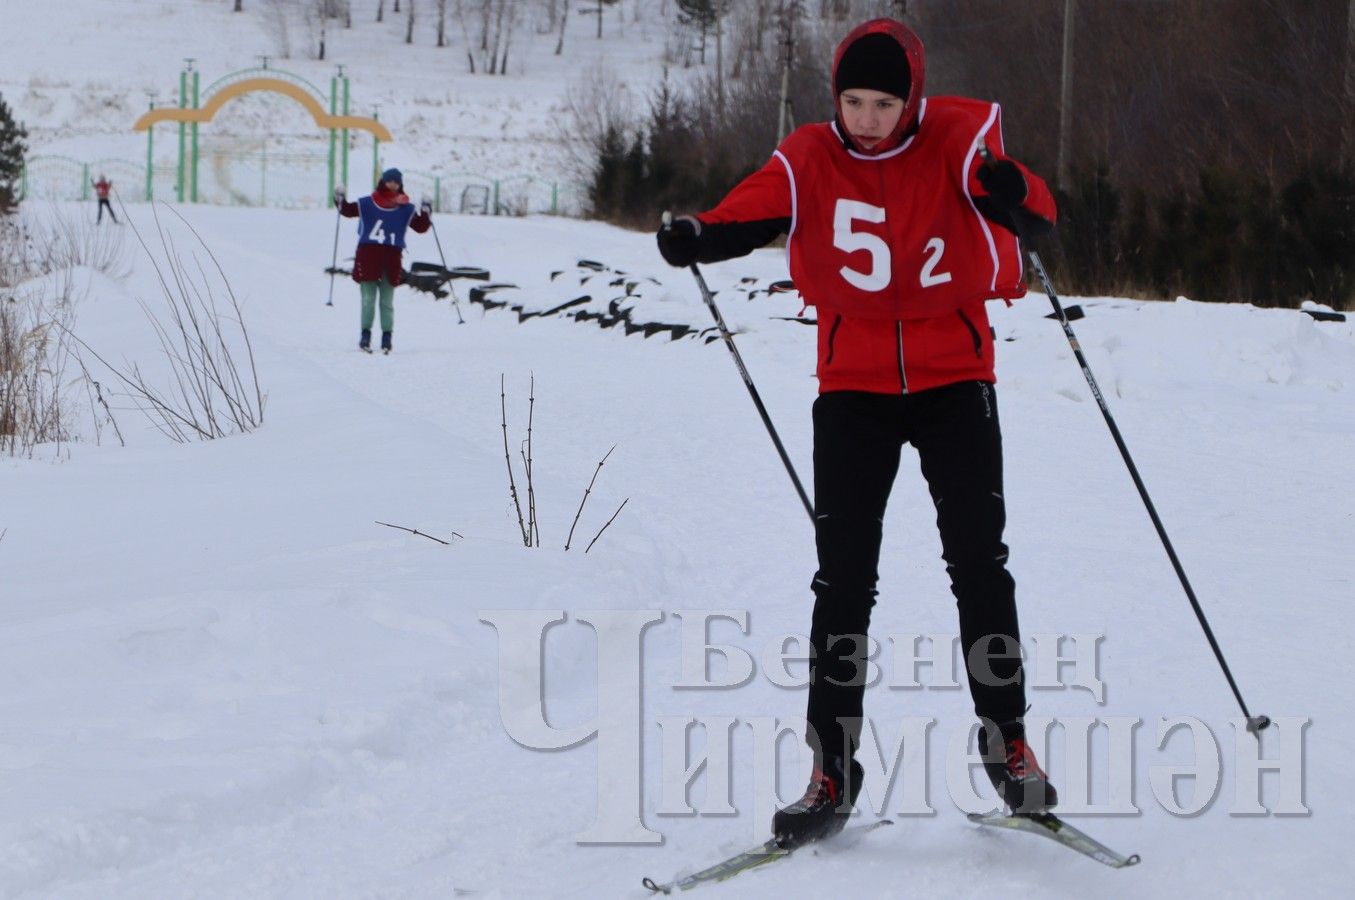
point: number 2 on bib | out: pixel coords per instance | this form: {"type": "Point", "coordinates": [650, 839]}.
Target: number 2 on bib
{"type": "Point", "coordinates": [846, 239]}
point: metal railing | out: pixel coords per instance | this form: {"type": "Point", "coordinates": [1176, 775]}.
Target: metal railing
{"type": "Point", "coordinates": [295, 180]}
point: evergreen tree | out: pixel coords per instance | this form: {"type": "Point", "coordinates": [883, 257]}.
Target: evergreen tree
{"type": "Point", "coordinates": [13, 148]}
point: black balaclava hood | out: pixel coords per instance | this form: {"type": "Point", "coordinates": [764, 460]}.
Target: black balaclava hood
{"type": "Point", "coordinates": [881, 55]}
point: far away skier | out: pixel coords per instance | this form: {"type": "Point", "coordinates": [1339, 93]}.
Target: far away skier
{"type": "Point", "coordinates": [382, 218]}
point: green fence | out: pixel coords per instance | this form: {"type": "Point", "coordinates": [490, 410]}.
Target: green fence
{"type": "Point", "coordinates": [263, 174]}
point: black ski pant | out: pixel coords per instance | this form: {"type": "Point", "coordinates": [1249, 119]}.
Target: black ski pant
{"type": "Point", "coordinates": [102, 205]}
{"type": "Point", "coordinates": [858, 437]}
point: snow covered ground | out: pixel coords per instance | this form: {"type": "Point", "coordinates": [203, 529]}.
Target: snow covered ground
{"type": "Point", "coordinates": [220, 676]}
{"type": "Point", "coordinates": [80, 72]}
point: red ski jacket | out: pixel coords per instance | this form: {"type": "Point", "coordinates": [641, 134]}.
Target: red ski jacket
{"type": "Point", "coordinates": [898, 249]}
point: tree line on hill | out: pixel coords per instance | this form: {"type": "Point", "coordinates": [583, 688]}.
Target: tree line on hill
{"type": "Point", "coordinates": [1197, 147]}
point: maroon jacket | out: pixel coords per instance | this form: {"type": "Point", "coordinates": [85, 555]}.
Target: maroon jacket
{"type": "Point", "coordinates": [371, 261]}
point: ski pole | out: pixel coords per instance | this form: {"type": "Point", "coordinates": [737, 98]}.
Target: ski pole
{"type": "Point", "coordinates": [456, 304]}
{"type": "Point", "coordinates": [334, 261]}
{"type": "Point", "coordinates": [747, 379]}
{"type": "Point", "coordinates": [1254, 723]}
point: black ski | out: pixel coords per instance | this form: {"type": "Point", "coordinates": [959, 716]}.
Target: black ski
{"type": "Point", "coordinates": [767, 852]}
{"type": "Point", "coordinates": [1051, 826]}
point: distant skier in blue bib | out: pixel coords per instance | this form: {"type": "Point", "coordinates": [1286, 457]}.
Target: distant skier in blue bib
{"type": "Point", "coordinates": [382, 218]}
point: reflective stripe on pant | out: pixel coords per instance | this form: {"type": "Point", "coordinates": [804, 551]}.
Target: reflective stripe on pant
{"type": "Point", "coordinates": [369, 291]}
{"type": "Point", "coordinates": [858, 437]}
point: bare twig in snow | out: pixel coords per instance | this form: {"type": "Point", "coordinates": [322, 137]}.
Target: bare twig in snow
{"type": "Point", "coordinates": [508, 461]}
{"type": "Point", "coordinates": [586, 492]}
{"type": "Point", "coordinates": [421, 534]}
{"type": "Point", "coordinates": [604, 527]}
{"type": "Point", "coordinates": [533, 531]}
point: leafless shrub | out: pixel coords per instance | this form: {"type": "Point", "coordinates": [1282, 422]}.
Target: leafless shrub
{"type": "Point", "coordinates": [528, 526]}
{"type": "Point", "coordinates": [55, 243]}
{"type": "Point", "coordinates": [597, 104]}
{"type": "Point", "coordinates": [277, 24]}
{"type": "Point", "coordinates": [213, 388]}
{"type": "Point", "coordinates": [33, 348]}
{"type": "Point", "coordinates": [34, 354]}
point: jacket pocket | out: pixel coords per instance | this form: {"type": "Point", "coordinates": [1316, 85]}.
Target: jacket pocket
{"type": "Point", "coordinates": [973, 333]}
{"type": "Point", "coordinates": [832, 337]}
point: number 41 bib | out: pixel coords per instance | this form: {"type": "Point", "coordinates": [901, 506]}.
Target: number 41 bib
{"type": "Point", "coordinates": [378, 225]}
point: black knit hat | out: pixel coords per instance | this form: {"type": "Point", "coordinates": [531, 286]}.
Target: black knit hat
{"type": "Point", "coordinates": [875, 62]}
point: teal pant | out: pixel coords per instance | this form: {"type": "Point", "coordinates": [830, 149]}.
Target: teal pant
{"type": "Point", "coordinates": [370, 289]}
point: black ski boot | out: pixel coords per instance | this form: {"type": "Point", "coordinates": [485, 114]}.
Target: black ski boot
{"type": "Point", "coordinates": [825, 807]}
{"type": "Point", "coordinates": [385, 342]}
{"type": "Point", "coordinates": [1014, 771]}
{"type": "Point", "coordinates": [365, 341]}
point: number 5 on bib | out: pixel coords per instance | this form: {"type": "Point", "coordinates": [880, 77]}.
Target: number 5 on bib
{"type": "Point", "coordinates": [848, 240]}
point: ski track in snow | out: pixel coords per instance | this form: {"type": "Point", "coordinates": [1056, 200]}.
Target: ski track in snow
{"type": "Point", "coordinates": [222, 678]}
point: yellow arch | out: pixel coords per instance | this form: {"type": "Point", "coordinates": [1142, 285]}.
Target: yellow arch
{"type": "Point", "coordinates": [277, 86]}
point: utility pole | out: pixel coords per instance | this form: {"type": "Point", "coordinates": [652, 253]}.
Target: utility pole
{"type": "Point", "coordinates": [720, 61]}
{"type": "Point", "coordinates": [1065, 178]}
{"type": "Point", "coordinates": [786, 116]}
{"type": "Point", "coordinates": [1348, 126]}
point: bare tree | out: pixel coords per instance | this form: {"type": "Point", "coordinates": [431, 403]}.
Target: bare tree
{"type": "Point", "coordinates": [564, 20]}
{"type": "Point", "coordinates": [380, 10]}
{"type": "Point", "coordinates": [465, 36]}
{"type": "Point", "coordinates": [495, 21]}
{"type": "Point", "coordinates": [442, 23]}
{"type": "Point", "coordinates": [409, 27]}
{"type": "Point", "coordinates": [238, 8]}
{"type": "Point", "coordinates": [277, 22]}
{"type": "Point", "coordinates": [315, 16]}
{"type": "Point", "coordinates": [597, 104]}
{"type": "Point", "coordinates": [498, 49]}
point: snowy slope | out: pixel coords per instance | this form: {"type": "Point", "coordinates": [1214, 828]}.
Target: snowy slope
{"type": "Point", "coordinates": [220, 677]}
{"type": "Point", "coordinates": [80, 72]}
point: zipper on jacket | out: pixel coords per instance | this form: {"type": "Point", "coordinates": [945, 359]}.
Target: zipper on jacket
{"type": "Point", "coordinates": [832, 334]}
{"type": "Point", "coordinates": [903, 379]}
{"type": "Point", "coordinates": [898, 325]}
{"type": "Point", "coordinates": [973, 333]}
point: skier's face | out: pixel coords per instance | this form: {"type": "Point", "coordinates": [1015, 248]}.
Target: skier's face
{"type": "Point", "coordinates": [870, 116]}
{"type": "Point", "coordinates": [391, 185]}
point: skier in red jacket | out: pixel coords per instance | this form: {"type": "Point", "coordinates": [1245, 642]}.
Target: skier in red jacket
{"type": "Point", "coordinates": [901, 216]}
{"type": "Point", "coordinates": [101, 189]}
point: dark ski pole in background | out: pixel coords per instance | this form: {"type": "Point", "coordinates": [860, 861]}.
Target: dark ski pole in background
{"type": "Point", "coordinates": [334, 260]}
{"type": "Point", "coordinates": [747, 379]}
{"type": "Point", "coordinates": [1254, 723]}
{"type": "Point", "coordinates": [456, 303]}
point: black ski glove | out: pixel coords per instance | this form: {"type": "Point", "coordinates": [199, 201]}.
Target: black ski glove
{"type": "Point", "coordinates": [1003, 181]}
{"type": "Point", "coordinates": [680, 242]}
